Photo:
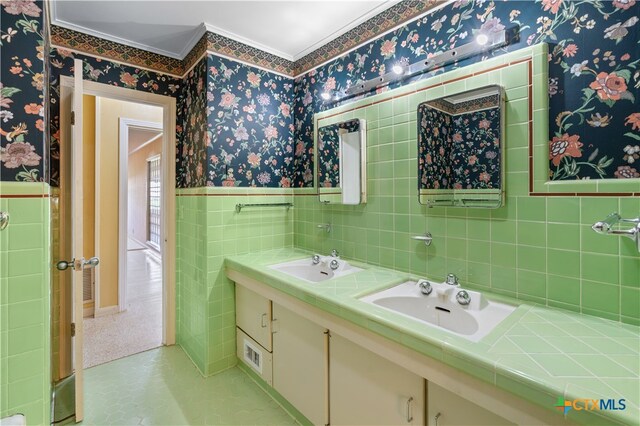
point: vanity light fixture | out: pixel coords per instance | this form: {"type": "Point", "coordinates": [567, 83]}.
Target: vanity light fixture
{"type": "Point", "coordinates": [482, 39]}
{"type": "Point", "coordinates": [325, 95]}
{"type": "Point", "coordinates": [398, 69]}
{"type": "Point", "coordinates": [483, 42]}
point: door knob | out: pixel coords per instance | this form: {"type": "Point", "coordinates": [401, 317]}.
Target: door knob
{"type": "Point", "coordinates": [90, 263]}
{"type": "Point", "coordinates": [77, 265]}
{"type": "Point", "coordinates": [63, 265]}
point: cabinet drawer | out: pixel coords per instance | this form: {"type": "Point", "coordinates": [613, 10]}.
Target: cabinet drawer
{"type": "Point", "coordinates": [447, 408]}
{"type": "Point", "coordinates": [253, 316]}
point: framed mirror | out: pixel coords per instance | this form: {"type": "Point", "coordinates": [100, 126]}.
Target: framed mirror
{"type": "Point", "coordinates": [461, 149]}
{"type": "Point", "coordinates": [341, 154]}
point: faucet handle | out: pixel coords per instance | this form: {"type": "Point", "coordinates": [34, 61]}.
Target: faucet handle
{"type": "Point", "coordinates": [334, 253]}
{"type": "Point", "coordinates": [315, 259]}
{"type": "Point", "coordinates": [452, 279]}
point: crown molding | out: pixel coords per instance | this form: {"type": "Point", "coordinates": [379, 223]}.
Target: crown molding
{"type": "Point", "coordinates": [105, 36]}
{"type": "Point", "coordinates": [351, 25]}
{"type": "Point", "coordinates": [193, 41]}
{"type": "Point", "coordinates": [248, 42]}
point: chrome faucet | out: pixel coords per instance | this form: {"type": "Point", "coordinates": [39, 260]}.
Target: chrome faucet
{"type": "Point", "coordinates": [325, 226]}
{"type": "Point", "coordinates": [452, 279]}
{"type": "Point", "coordinates": [334, 253]}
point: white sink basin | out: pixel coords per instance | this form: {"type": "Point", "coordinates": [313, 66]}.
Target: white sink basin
{"type": "Point", "coordinates": [306, 270]}
{"type": "Point", "coordinates": [440, 309]}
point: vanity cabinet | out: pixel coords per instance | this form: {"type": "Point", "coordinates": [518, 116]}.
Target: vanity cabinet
{"type": "Point", "coordinates": [253, 316]}
{"type": "Point", "coordinates": [445, 408]}
{"type": "Point", "coordinates": [299, 363]}
{"type": "Point", "coordinates": [365, 388]}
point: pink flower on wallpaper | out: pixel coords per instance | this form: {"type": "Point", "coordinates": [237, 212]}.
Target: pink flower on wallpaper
{"type": "Point", "coordinates": [388, 48]}
{"type": "Point", "coordinates": [270, 132]}
{"type": "Point", "coordinates": [457, 137]}
{"type": "Point", "coordinates": [624, 4]}
{"type": "Point", "coordinates": [263, 99]}
{"type": "Point", "coordinates": [253, 79]}
{"type": "Point", "coordinates": [228, 100]}
{"type": "Point", "coordinates": [330, 84]}
{"type": "Point", "coordinates": [609, 86]}
{"type": "Point", "coordinates": [254, 159]}
{"type": "Point", "coordinates": [299, 149]}
{"type": "Point", "coordinates": [128, 80]}
{"type": "Point", "coordinates": [633, 120]}
{"type": "Point", "coordinates": [492, 25]}
{"type": "Point", "coordinates": [570, 50]}
{"type": "Point", "coordinates": [241, 133]}
{"type": "Point", "coordinates": [484, 124]}
{"type": "Point", "coordinates": [32, 108]}
{"type": "Point", "coordinates": [17, 7]}
{"type": "Point", "coordinates": [264, 178]}
{"type": "Point", "coordinates": [564, 146]}
{"type": "Point", "coordinates": [553, 5]}
{"type": "Point", "coordinates": [285, 182]}
{"type": "Point", "coordinates": [285, 109]}
{"type": "Point", "coordinates": [19, 154]}
{"type": "Point", "coordinates": [626, 172]}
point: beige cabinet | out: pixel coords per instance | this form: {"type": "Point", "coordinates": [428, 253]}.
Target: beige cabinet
{"type": "Point", "coordinates": [445, 408]}
{"type": "Point", "coordinates": [366, 389]}
{"type": "Point", "coordinates": [299, 363]}
{"type": "Point", "coordinates": [253, 315]}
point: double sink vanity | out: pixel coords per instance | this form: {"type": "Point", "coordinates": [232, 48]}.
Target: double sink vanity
{"type": "Point", "coordinates": [339, 342]}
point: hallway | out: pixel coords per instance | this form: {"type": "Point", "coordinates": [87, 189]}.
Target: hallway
{"type": "Point", "coordinates": [163, 387]}
{"type": "Point", "coordinates": [137, 329]}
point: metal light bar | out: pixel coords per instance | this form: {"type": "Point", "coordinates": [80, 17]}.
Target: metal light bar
{"type": "Point", "coordinates": [493, 40]}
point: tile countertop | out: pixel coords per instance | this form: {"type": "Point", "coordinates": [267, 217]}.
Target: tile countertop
{"type": "Point", "coordinates": [541, 354]}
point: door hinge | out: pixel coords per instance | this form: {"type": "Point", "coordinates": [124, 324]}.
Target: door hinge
{"type": "Point", "coordinates": [73, 118]}
{"type": "Point", "coordinates": [73, 329]}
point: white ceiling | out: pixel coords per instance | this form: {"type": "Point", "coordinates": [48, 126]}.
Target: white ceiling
{"type": "Point", "coordinates": [139, 137]}
{"type": "Point", "coordinates": [289, 29]}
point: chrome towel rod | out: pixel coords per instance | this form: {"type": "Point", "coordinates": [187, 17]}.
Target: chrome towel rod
{"type": "Point", "coordinates": [239, 207]}
{"type": "Point", "coordinates": [606, 227]}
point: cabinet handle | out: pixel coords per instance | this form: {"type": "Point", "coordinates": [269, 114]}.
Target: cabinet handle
{"type": "Point", "coordinates": [409, 413]}
{"type": "Point", "coordinates": [263, 320]}
{"type": "Point", "coordinates": [435, 418]}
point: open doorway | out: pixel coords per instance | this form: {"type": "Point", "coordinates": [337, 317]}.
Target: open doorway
{"type": "Point", "coordinates": [127, 287]}
{"type": "Point", "coordinates": [92, 166]}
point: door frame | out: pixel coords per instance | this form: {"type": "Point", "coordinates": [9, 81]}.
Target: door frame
{"type": "Point", "coordinates": [168, 221]}
{"type": "Point", "coordinates": [123, 199]}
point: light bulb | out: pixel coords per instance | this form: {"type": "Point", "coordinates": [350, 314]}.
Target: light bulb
{"type": "Point", "coordinates": [325, 95]}
{"type": "Point", "coordinates": [482, 39]}
{"type": "Point", "coordinates": [398, 69]}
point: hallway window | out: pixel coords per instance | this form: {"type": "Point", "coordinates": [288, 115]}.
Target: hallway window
{"type": "Point", "coordinates": [153, 202]}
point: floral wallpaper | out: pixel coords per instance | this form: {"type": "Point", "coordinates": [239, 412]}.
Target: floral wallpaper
{"type": "Point", "coordinates": [102, 71]}
{"type": "Point", "coordinates": [192, 141]}
{"type": "Point", "coordinates": [329, 152]}
{"type": "Point", "coordinates": [593, 84]}
{"type": "Point", "coordinates": [458, 152]}
{"type": "Point", "coordinates": [22, 143]}
{"type": "Point", "coordinates": [250, 126]}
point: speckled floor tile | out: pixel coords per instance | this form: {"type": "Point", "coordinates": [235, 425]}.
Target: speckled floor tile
{"type": "Point", "coordinates": [163, 387]}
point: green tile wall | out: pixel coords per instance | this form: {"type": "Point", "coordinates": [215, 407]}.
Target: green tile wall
{"type": "Point", "coordinates": [538, 249]}
{"type": "Point", "coordinates": [208, 230]}
{"type": "Point", "coordinates": [24, 303]}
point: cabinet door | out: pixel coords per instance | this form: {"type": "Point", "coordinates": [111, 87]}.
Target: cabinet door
{"type": "Point", "coordinates": [253, 315]}
{"type": "Point", "coordinates": [447, 408]}
{"type": "Point", "coordinates": [299, 363]}
{"type": "Point", "coordinates": [365, 388]}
